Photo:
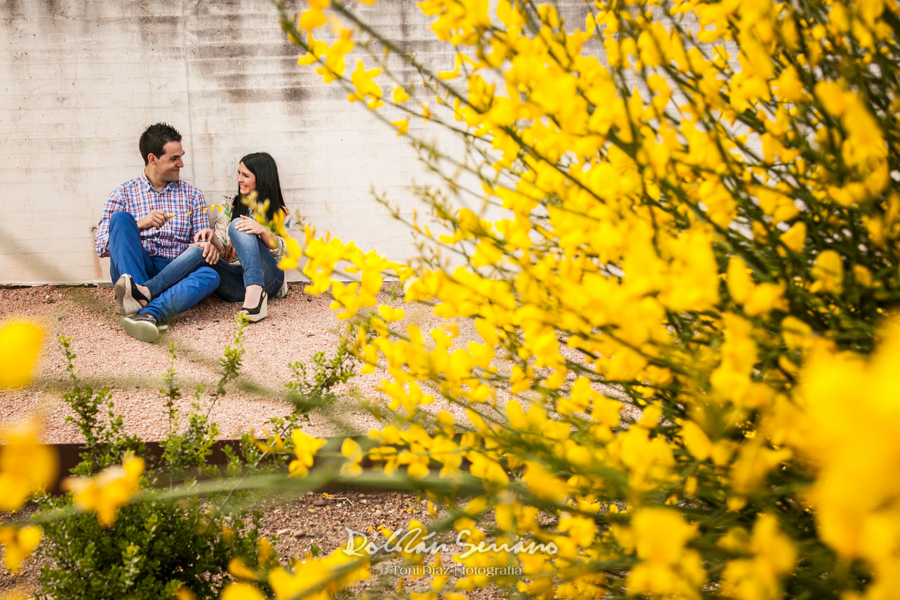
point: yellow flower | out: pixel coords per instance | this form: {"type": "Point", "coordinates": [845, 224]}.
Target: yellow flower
{"type": "Point", "coordinates": [108, 491]}
{"type": "Point", "coordinates": [402, 126]}
{"type": "Point", "coordinates": [753, 463]}
{"type": "Point", "coordinates": [789, 86]}
{"type": "Point", "coordinates": [828, 271]}
{"type": "Point", "coordinates": [238, 568]}
{"type": "Point", "coordinates": [739, 283]}
{"type": "Point", "coordinates": [352, 450]}
{"type": "Point", "coordinates": [313, 17]}
{"type": "Point", "coordinates": [390, 314]}
{"type": "Point", "coordinates": [305, 448]}
{"type": "Point", "coordinates": [25, 465]}
{"type": "Point", "coordinates": [18, 544]}
{"type": "Point", "coordinates": [832, 97]}
{"type": "Point", "coordinates": [20, 344]}
{"type": "Point", "coordinates": [765, 298]}
{"type": "Point", "coordinates": [862, 275]}
{"type": "Point", "coordinates": [400, 95]}
{"type": "Point", "coordinates": [292, 256]}
{"type": "Point", "coordinates": [543, 484]}
{"type": "Point", "coordinates": [184, 593]}
{"type": "Point", "coordinates": [334, 56]}
{"type": "Point", "coordinates": [773, 555]}
{"type": "Point", "coordinates": [795, 237]}
{"type": "Point", "coordinates": [796, 333]}
{"type": "Point", "coordinates": [322, 577]}
{"type": "Point", "coordinates": [659, 536]}
{"type": "Point", "coordinates": [366, 89]}
{"type": "Point", "coordinates": [242, 591]}
{"type": "Point", "coordinates": [695, 440]}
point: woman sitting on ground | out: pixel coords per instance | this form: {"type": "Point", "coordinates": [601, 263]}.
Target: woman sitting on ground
{"type": "Point", "coordinates": [248, 269]}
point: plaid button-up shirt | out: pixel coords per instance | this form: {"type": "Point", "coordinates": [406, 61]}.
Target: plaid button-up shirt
{"type": "Point", "coordinates": [138, 197]}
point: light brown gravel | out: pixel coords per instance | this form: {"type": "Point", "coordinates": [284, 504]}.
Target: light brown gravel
{"type": "Point", "coordinates": [298, 326]}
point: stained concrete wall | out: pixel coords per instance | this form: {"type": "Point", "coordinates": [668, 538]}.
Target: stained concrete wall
{"type": "Point", "coordinates": [81, 79]}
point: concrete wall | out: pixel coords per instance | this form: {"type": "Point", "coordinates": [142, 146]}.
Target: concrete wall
{"type": "Point", "coordinates": [81, 79]}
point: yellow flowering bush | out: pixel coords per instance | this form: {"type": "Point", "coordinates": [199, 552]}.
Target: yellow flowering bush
{"type": "Point", "coordinates": [687, 209]}
{"type": "Point", "coordinates": [26, 466]}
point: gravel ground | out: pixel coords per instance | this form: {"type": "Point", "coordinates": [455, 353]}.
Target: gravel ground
{"type": "Point", "coordinates": [298, 326]}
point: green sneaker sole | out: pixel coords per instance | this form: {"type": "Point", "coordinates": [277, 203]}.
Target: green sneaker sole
{"type": "Point", "coordinates": [141, 330]}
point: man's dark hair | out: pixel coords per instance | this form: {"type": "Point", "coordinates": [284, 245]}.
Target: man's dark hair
{"type": "Point", "coordinates": [268, 187]}
{"type": "Point", "coordinates": [155, 137]}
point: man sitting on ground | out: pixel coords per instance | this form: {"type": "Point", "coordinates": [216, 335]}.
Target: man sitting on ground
{"type": "Point", "coordinates": [147, 230]}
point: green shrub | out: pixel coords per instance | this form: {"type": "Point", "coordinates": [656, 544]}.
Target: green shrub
{"type": "Point", "coordinates": [154, 548]}
{"type": "Point", "coordinates": [105, 441]}
{"type": "Point", "coordinates": [156, 545]}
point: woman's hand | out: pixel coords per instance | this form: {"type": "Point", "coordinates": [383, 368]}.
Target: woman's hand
{"type": "Point", "coordinates": [248, 225]}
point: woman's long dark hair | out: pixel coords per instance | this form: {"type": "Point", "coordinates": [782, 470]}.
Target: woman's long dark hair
{"type": "Point", "coordinates": [268, 187]}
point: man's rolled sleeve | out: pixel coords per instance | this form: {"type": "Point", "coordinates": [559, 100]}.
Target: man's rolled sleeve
{"type": "Point", "coordinates": [115, 203]}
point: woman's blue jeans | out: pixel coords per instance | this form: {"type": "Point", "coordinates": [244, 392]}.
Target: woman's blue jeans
{"type": "Point", "coordinates": [258, 267]}
{"type": "Point", "coordinates": [175, 286]}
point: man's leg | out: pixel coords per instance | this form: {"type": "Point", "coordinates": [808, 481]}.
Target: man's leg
{"type": "Point", "coordinates": [196, 286]}
{"type": "Point", "coordinates": [175, 271]}
{"type": "Point", "coordinates": [126, 253]}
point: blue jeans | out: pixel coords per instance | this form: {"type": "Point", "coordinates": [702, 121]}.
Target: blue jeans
{"type": "Point", "coordinates": [175, 286]}
{"type": "Point", "coordinates": [258, 267]}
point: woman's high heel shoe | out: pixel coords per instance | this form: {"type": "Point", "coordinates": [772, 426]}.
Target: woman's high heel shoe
{"type": "Point", "coordinates": [128, 296]}
{"type": "Point", "coordinates": [260, 312]}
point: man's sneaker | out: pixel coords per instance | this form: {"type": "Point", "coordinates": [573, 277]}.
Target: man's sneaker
{"type": "Point", "coordinates": [141, 326]}
{"type": "Point", "coordinates": [127, 295]}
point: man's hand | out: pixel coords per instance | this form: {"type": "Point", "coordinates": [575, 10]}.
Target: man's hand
{"type": "Point", "coordinates": [204, 235]}
{"type": "Point", "coordinates": [210, 253]}
{"type": "Point", "coordinates": [156, 218]}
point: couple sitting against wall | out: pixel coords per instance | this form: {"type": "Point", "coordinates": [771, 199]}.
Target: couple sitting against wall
{"type": "Point", "coordinates": [165, 258]}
